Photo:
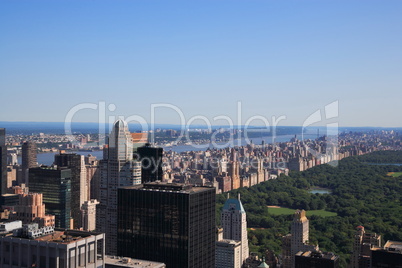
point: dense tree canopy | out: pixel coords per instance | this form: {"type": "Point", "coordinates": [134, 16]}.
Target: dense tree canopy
{"type": "Point", "coordinates": [362, 194]}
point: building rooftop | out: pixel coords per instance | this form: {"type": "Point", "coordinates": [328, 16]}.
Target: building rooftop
{"type": "Point", "coordinates": [61, 237]}
{"type": "Point", "coordinates": [317, 255]}
{"type": "Point", "coordinates": [234, 203]}
{"type": "Point", "coordinates": [228, 243]}
{"type": "Point", "coordinates": [168, 187]}
{"type": "Point", "coordinates": [139, 137]}
{"type": "Point", "coordinates": [49, 234]}
{"type": "Point", "coordinates": [263, 264]}
{"type": "Point", "coordinates": [112, 261]}
{"type": "Point", "coordinates": [395, 246]}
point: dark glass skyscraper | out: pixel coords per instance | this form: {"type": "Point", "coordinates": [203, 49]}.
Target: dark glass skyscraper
{"type": "Point", "coordinates": [169, 223]}
{"type": "Point", "coordinates": [55, 185]}
{"type": "Point", "coordinates": [76, 163]}
{"type": "Point", "coordinates": [151, 163]}
{"type": "Point", "coordinates": [3, 161]}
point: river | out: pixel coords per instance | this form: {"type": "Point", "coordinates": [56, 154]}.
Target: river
{"type": "Point", "coordinates": [48, 158]}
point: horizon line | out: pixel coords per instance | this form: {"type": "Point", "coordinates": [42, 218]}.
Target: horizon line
{"type": "Point", "coordinates": [178, 125]}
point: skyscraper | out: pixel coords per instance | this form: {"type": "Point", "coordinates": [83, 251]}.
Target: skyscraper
{"type": "Point", "coordinates": [233, 170]}
{"type": "Point", "coordinates": [151, 163]}
{"type": "Point", "coordinates": [88, 217]}
{"type": "Point", "coordinates": [55, 185]}
{"type": "Point", "coordinates": [117, 169]}
{"type": "Point", "coordinates": [298, 240]}
{"type": "Point", "coordinates": [29, 159]}
{"type": "Point", "coordinates": [167, 222]}
{"type": "Point", "coordinates": [79, 187]}
{"type": "Point", "coordinates": [234, 224]}
{"type": "Point", "coordinates": [363, 242]}
{"type": "Point", "coordinates": [3, 161]}
{"type": "Point", "coordinates": [300, 231]}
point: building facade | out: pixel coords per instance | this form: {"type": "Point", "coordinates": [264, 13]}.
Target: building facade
{"type": "Point", "coordinates": [169, 223]}
{"type": "Point", "coordinates": [151, 163]}
{"type": "Point", "coordinates": [298, 240]}
{"type": "Point", "coordinates": [51, 248]}
{"type": "Point", "coordinates": [3, 162]}
{"type": "Point", "coordinates": [79, 187]}
{"type": "Point", "coordinates": [31, 208]}
{"type": "Point", "coordinates": [316, 259]}
{"type": "Point", "coordinates": [234, 224]}
{"type": "Point", "coordinates": [55, 185]}
{"type": "Point", "coordinates": [363, 242]}
{"type": "Point", "coordinates": [29, 159]}
{"type": "Point", "coordinates": [228, 254]}
{"type": "Point", "coordinates": [388, 256]}
{"type": "Point", "coordinates": [88, 217]}
{"type": "Point", "coordinates": [117, 169]}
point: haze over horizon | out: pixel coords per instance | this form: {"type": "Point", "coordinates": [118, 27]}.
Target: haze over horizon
{"type": "Point", "coordinates": [278, 58]}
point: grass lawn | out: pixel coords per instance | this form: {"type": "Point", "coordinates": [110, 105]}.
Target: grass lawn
{"type": "Point", "coordinates": [290, 211]}
{"type": "Point", "coordinates": [394, 174]}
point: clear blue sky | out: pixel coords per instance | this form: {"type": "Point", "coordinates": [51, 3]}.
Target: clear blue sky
{"type": "Point", "coordinates": [276, 57]}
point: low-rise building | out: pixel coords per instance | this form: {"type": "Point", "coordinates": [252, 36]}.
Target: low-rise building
{"type": "Point", "coordinates": [316, 259]}
{"type": "Point", "coordinates": [31, 246]}
{"type": "Point", "coordinates": [388, 256]}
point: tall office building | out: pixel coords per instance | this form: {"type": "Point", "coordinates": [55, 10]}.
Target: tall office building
{"type": "Point", "coordinates": [300, 235]}
{"type": "Point", "coordinates": [167, 222]}
{"type": "Point", "coordinates": [117, 169]}
{"type": "Point", "coordinates": [300, 231]}
{"type": "Point", "coordinates": [3, 162]}
{"type": "Point", "coordinates": [55, 185]}
{"type": "Point", "coordinates": [88, 217]}
{"type": "Point", "coordinates": [234, 169]}
{"type": "Point", "coordinates": [363, 243]}
{"type": "Point", "coordinates": [93, 177]}
{"type": "Point", "coordinates": [29, 159]}
{"type": "Point", "coordinates": [151, 163]}
{"type": "Point", "coordinates": [298, 240]}
{"type": "Point", "coordinates": [79, 187]}
{"type": "Point", "coordinates": [234, 224]}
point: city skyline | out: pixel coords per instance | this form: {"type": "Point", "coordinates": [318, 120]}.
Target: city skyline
{"type": "Point", "coordinates": [285, 58]}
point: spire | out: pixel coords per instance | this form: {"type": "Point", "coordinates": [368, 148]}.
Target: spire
{"type": "Point", "coordinates": [238, 196]}
{"type": "Point", "coordinates": [228, 195]}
